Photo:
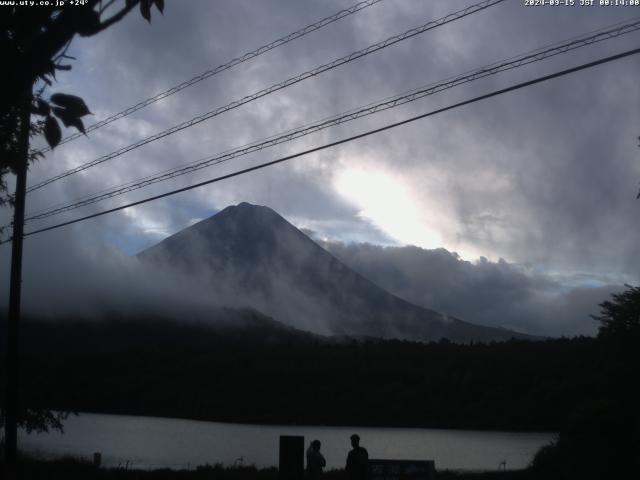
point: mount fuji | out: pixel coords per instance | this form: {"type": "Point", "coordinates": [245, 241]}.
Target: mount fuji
{"type": "Point", "coordinates": [253, 256]}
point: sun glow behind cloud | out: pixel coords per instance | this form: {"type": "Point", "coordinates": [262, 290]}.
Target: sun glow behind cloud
{"type": "Point", "coordinates": [147, 224]}
{"type": "Point", "coordinates": [386, 203]}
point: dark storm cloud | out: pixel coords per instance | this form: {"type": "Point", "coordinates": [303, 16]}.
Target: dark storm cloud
{"type": "Point", "coordinates": [488, 293]}
{"type": "Point", "coordinates": [544, 177]}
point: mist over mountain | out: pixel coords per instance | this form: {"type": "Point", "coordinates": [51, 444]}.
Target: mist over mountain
{"type": "Point", "coordinates": [491, 293]}
{"type": "Point", "coordinates": [251, 255]}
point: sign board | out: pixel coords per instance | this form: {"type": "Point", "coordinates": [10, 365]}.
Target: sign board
{"type": "Point", "coordinates": [401, 470]}
{"type": "Point", "coordinates": [291, 457]}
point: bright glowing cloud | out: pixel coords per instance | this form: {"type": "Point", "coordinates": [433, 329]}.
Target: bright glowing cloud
{"type": "Point", "coordinates": [146, 224]}
{"type": "Point", "coordinates": [384, 201]}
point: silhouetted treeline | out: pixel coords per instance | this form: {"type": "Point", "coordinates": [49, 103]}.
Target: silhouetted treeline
{"type": "Point", "coordinates": [163, 368]}
{"type": "Point", "coordinates": [601, 436]}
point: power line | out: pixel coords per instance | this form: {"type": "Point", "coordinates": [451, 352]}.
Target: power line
{"type": "Point", "coordinates": [402, 99]}
{"type": "Point", "coordinates": [279, 86]}
{"type": "Point", "coordinates": [345, 140]}
{"type": "Point", "coordinates": [593, 36]}
{"type": "Point", "coordinates": [221, 68]}
{"type": "Point", "coordinates": [587, 38]}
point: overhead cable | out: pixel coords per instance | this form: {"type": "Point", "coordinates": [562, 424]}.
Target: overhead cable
{"type": "Point", "coordinates": [279, 86]}
{"type": "Point", "coordinates": [221, 68]}
{"type": "Point", "coordinates": [345, 140]}
{"type": "Point", "coordinates": [392, 102]}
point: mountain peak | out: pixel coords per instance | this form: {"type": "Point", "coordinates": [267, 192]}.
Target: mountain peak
{"type": "Point", "coordinates": [245, 210]}
{"type": "Point", "coordinates": [246, 207]}
{"type": "Point", "coordinates": [242, 234]}
{"type": "Point", "coordinates": [263, 259]}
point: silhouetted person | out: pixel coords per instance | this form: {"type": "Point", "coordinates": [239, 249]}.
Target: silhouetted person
{"type": "Point", "coordinates": [357, 460]}
{"type": "Point", "coordinates": [315, 461]}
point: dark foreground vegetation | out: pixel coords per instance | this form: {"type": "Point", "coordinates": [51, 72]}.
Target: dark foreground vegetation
{"type": "Point", "coordinates": [70, 469]}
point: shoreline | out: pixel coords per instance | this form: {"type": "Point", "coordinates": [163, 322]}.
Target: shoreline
{"type": "Point", "coordinates": [312, 425]}
{"type": "Point", "coordinates": [76, 467]}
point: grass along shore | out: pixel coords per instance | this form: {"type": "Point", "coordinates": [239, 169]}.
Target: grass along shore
{"type": "Point", "coordinates": [74, 468]}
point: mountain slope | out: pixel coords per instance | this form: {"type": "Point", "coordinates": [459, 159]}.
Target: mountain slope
{"type": "Point", "coordinates": [272, 266]}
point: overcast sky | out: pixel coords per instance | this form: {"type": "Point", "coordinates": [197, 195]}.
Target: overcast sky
{"type": "Point", "coordinates": [544, 178]}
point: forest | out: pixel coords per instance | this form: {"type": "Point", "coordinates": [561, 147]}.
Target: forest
{"type": "Point", "coordinates": [180, 369]}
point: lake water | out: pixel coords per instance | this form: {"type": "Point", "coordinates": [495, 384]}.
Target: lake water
{"type": "Point", "coordinates": [149, 442]}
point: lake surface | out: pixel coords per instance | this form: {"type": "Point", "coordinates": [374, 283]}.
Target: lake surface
{"type": "Point", "coordinates": [150, 442]}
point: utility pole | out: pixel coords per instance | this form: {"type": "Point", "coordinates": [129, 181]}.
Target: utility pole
{"type": "Point", "coordinates": [13, 326]}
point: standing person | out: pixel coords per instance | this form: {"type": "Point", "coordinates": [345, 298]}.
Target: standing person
{"type": "Point", "coordinates": [357, 460]}
{"type": "Point", "coordinates": [315, 461]}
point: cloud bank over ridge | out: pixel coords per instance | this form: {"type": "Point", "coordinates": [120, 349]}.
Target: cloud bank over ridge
{"type": "Point", "coordinates": [497, 294]}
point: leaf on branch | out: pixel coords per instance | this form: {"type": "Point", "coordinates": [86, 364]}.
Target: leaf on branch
{"type": "Point", "coordinates": [61, 113]}
{"type": "Point", "coordinates": [74, 106]}
{"type": "Point", "coordinates": [48, 69]}
{"type": "Point", "coordinates": [159, 5]}
{"type": "Point", "coordinates": [68, 118]}
{"type": "Point", "coordinates": [51, 68]}
{"type": "Point", "coordinates": [89, 24]}
{"type": "Point", "coordinates": [35, 156]}
{"type": "Point", "coordinates": [63, 67]}
{"type": "Point", "coordinates": [145, 9]}
{"type": "Point", "coordinates": [52, 133]}
{"type": "Point", "coordinates": [75, 122]}
{"type": "Point", "coordinates": [41, 108]}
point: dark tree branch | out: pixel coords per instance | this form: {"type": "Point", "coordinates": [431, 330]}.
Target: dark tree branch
{"type": "Point", "coordinates": [63, 52]}
{"type": "Point", "coordinates": [106, 7]}
{"type": "Point", "coordinates": [64, 27]}
{"type": "Point", "coordinates": [117, 17]}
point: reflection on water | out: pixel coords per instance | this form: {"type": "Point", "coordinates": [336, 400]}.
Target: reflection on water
{"type": "Point", "coordinates": [149, 442]}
